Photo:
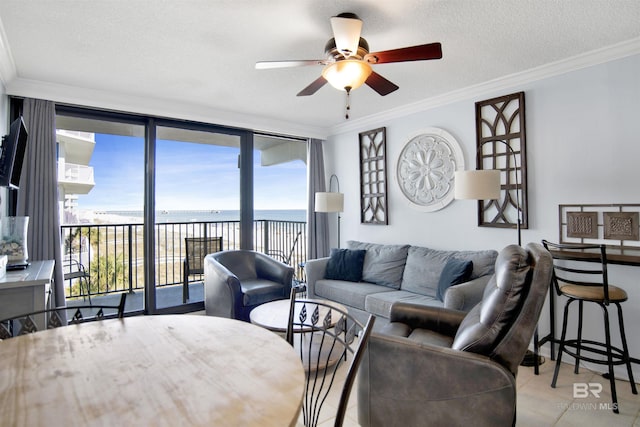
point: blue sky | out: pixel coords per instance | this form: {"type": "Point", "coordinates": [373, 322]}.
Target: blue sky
{"type": "Point", "coordinates": [189, 176]}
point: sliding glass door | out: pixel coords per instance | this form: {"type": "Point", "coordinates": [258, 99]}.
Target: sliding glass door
{"type": "Point", "coordinates": [100, 199]}
{"type": "Point", "coordinates": [136, 191]}
{"type": "Point", "coordinates": [197, 208]}
{"type": "Point", "coordinates": [280, 189]}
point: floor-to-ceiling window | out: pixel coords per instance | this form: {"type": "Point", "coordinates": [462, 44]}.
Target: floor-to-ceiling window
{"type": "Point", "coordinates": [280, 198]}
{"type": "Point", "coordinates": [136, 187]}
{"type": "Point", "coordinates": [197, 206]}
{"type": "Point", "coordinates": [100, 201]}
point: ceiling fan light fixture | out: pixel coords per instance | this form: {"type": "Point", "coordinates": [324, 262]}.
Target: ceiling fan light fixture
{"type": "Point", "coordinates": [348, 73]}
{"type": "Point", "coordinates": [346, 30]}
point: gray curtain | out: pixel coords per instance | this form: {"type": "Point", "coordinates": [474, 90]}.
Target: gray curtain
{"type": "Point", "coordinates": [317, 225]}
{"type": "Point", "coordinates": [38, 193]}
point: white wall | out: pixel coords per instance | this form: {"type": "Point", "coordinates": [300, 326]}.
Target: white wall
{"type": "Point", "coordinates": [583, 146]}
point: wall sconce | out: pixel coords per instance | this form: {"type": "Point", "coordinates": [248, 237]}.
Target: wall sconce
{"type": "Point", "coordinates": [331, 202]}
{"type": "Point", "coordinates": [485, 185]}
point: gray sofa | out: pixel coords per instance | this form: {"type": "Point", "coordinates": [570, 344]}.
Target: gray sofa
{"type": "Point", "coordinates": [404, 273]}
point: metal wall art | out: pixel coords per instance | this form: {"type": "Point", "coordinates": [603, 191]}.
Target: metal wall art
{"type": "Point", "coordinates": [503, 119]}
{"type": "Point", "coordinates": [426, 168]}
{"type": "Point", "coordinates": [617, 224]}
{"type": "Point", "coordinates": [621, 225]}
{"type": "Point", "coordinates": [583, 225]}
{"type": "Point", "coordinates": [373, 177]}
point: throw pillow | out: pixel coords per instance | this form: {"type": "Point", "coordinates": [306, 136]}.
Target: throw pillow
{"type": "Point", "coordinates": [455, 271]}
{"type": "Point", "coordinates": [345, 264]}
{"type": "Point", "coordinates": [383, 264]}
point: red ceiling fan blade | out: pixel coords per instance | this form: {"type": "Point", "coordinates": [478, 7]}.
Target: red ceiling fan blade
{"type": "Point", "coordinates": [313, 87]}
{"type": "Point", "coordinates": [380, 84]}
{"type": "Point", "coordinates": [265, 65]}
{"type": "Point", "coordinates": [414, 53]}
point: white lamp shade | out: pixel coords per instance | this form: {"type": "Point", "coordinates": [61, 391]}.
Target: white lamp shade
{"type": "Point", "coordinates": [477, 184]}
{"type": "Point", "coordinates": [329, 202]}
{"type": "Point", "coordinates": [346, 32]}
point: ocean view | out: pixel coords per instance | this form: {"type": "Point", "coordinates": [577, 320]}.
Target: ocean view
{"type": "Point", "coordinates": [166, 216]}
{"type": "Point", "coordinates": [116, 237]}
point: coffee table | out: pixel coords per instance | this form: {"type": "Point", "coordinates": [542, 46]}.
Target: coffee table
{"type": "Point", "coordinates": [274, 316]}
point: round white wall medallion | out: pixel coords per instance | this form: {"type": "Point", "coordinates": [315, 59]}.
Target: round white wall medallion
{"type": "Point", "coordinates": [426, 169]}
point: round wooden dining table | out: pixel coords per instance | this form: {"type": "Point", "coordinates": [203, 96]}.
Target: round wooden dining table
{"type": "Point", "coordinates": [166, 370]}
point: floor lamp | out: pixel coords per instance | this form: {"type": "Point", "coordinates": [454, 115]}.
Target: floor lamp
{"type": "Point", "coordinates": [485, 185]}
{"type": "Point", "coordinates": [331, 202]}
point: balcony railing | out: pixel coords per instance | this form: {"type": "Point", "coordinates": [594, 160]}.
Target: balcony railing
{"type": "Point", "coordinates": [113, 254]}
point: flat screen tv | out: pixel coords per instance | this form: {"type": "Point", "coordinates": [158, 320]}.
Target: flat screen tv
{"type": "Point", "coordinates": [13, 147]}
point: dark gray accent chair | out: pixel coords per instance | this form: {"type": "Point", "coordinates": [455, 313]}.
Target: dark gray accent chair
{"type": "Point", "coordinates": [236, 281]}
{"type": "Point", "coordinates": [439, 367]}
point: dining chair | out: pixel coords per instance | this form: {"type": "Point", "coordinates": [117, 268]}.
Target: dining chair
{"type": "Point", "coordinates": [327, 339]}
{"type": "Point", "coordinates": [75, 270]}
{"type": "Point", "coordinates": [196, 249]}
{"type": "Point", "coordinates": [28, 323]}
{"type": "Point", "coordinates": [588, 281]}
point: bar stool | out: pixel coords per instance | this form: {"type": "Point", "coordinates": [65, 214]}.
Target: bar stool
{"type": "Point", "coordinates": [590, 284]}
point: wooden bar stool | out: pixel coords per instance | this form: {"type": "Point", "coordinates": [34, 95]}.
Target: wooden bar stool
{"type": "Point", "coordinates": [588, 282]}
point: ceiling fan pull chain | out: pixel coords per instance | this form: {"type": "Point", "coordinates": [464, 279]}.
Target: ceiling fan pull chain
{"type": "Point", "coordinates": [348, 107]}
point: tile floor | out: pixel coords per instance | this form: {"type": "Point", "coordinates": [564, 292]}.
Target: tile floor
{"type": "Point", "coordinates": [539, 405]}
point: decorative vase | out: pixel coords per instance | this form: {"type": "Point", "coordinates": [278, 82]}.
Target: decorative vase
{"type": "Point", "coordinates": [13, 239]}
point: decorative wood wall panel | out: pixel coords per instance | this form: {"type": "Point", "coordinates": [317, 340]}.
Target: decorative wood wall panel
{"type": "Point", "coordinates": [373, 177]}
{"type": "Point", "coordinates": [503, 119]}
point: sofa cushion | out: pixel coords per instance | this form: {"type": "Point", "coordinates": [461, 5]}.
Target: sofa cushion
{"type": "Point", "coordinates": [383, 264]}
{"type": "Point", "coordinates": [345, 264]}
{"type": "Point", "coordinates": [455, 271]}
{"type": "Point", "coordinates": [424, 267]}
{"type": "Point", "coordinates": [379, 304]}
{"type": "Point", "coordinates": [352, 294]}
{"type": "Point", "coordinates": [483, 261]}
{"type": "Point", "coordinates": [489, 320]}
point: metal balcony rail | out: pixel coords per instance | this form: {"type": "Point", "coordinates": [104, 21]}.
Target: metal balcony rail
{"type": "Point", "coordinates": [113, 254]}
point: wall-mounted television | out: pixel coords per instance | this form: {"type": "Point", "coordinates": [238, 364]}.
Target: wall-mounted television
{"type": "Point", "coordinates": [12, 154]}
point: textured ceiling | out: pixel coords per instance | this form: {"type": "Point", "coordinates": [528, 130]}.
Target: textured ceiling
{"type": "Point", "coordinates": [203, 52]}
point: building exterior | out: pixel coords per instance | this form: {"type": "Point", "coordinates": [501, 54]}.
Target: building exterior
{"type": "Point", "coordinates": [75, 176]}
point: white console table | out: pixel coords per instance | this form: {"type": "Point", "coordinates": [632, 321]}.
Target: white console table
{"type": "Point", "coordinates": [24, 291]}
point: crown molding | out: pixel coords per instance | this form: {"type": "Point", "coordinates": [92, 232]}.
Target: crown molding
{"type": "Point", "coordinates": [187, 111]}
{"type": "Point", "coordinates": [588, 59]}
{"type": "Point", "coordinates": [109, 100]}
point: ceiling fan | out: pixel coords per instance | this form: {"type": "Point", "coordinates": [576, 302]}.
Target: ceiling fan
{"type": "Point", "coordinates": [348, 60]}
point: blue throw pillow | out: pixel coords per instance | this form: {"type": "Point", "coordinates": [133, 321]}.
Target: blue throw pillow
{"type": "Point", "coordinates": [345, 264]}
{"type": "Point", "coordinates": [455, 271]}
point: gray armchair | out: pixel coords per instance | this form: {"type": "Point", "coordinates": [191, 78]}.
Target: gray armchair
{"type": "Point", "coordinates": [237, 281]}
{"type": "Point", "coordinates": [439, 367]}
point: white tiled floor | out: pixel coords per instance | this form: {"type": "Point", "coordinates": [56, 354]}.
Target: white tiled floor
{"type": "Point", "coordinates": [539, 405]}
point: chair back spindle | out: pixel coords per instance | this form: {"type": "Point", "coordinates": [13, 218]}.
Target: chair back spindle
{"type": "Point", "coordinates": [328, 340]}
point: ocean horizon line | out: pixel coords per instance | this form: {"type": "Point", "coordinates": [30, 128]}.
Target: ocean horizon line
{"type": "Point", "coordinates": [205, 215]}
